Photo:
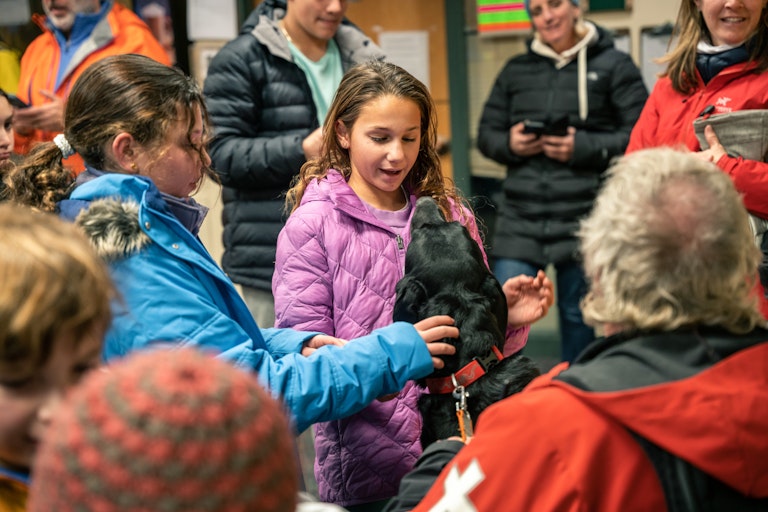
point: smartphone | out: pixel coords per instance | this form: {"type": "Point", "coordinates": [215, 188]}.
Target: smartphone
{"type": "Point", "coordinates": [537, 127]}
{"type": "Point", "coordinates": [16, 102]}
{"type": "Point", "coordinates": [558, 127]}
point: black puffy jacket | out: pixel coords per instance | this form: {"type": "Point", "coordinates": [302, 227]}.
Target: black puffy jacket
{"type": "Point", "coordinates": [261, 108]}
{"type": "Point", "coordinates": [543, 199]}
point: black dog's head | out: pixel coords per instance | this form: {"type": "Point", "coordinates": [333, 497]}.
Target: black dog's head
{"type": "Point", "coordinates": [445, 274]}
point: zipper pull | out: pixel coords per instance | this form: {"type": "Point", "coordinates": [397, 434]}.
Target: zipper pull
{"type": "Point", "coordinates": [399, 242]}
{"type": "Point", "coordinates": [707, 110]}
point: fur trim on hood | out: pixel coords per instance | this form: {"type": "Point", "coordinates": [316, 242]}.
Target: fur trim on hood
{"type": "Point", "coordinates": [113, 228]}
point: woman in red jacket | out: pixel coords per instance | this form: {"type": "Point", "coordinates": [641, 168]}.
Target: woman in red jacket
{"type": "Point", "coordinates": [717, 67]}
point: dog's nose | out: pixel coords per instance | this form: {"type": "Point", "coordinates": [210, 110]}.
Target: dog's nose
{"type": "Point", "coordinates": [426, 212]}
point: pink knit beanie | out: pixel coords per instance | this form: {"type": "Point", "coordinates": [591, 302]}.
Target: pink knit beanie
{"type": "Point", "coordinates": [167, 430]}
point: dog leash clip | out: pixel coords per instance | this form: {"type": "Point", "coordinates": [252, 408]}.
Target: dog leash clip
{"type": "Point", "coordinates": [462, 414]}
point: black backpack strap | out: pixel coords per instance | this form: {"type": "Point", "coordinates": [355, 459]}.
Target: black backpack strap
{"type": "Point", "coordinates": [682, 483]}
{"type": "Point", "coordinates": [689, 489]}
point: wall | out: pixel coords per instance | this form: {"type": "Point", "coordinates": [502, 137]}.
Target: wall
{"type": "Point", "coordinates": [377, 17]}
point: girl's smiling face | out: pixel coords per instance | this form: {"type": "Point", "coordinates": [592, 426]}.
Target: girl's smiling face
{"type": "Point", "coordinates": [731, 22]}
{"type": "Point", "coordinates": [383, 145]}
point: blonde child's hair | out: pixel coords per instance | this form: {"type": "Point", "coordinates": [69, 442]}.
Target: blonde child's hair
{"type": "Point", "coordinates": [362, 84]}
{"type": "Point", "coordinates": [668, 244]}
{"type": "Point", "coordinates": [52, 283]}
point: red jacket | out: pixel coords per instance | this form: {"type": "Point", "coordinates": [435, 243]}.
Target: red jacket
{"type": "Point", "coordinates": [119, 33]}
{"type": "Point", "coordinates": [667, 120]}
{"type": "Point", "coordinates": [556, 447]}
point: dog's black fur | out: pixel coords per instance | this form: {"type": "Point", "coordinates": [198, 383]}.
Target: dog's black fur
{"type": "Point", "coordinates": [445, 275]}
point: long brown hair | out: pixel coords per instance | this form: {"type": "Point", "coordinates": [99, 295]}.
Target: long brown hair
{"type": "Point", "coordinates": [362, 84]}
{"type": "Point", "coordinates": [122, 93]}
{"type": "Point", "coordinates": [689, 29]}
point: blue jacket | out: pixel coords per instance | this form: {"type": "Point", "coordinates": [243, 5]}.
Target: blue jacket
{"type": "Point", "coordinates": [173, 292]}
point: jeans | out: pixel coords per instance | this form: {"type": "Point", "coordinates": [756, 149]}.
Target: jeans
{"type": "Point", "coordinates": [570, 287]}
{"type": "Point", "coordinates": [261, 304]}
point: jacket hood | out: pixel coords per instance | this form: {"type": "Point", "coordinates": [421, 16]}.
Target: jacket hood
{"type": "Point", "coordinates": [595, 40]}
{"type": "Point", "coordinates": [273, 9]}
{"type": "Point", "coordinates": [666, 388]}
{"type": "Point", "coordinates": [107, 208]}
{"type": "Point", "coordinates": [328, 189]}
{"type": "Point", "coordinates": [345, 199]}
{"type": "Point", "coordinates": [113, 228]}
{"type": "Point", "coordinates": [601, 40]}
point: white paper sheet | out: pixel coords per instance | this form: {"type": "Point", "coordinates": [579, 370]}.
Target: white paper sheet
{"type": "Point", "coordinates": [211, 19]}
{"type": "Point", "coordinates": [14, 12]}
{"type": "Point", "coordinates": [408, 49]}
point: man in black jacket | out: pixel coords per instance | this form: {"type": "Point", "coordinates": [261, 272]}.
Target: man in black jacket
{"type": "Point", "coordinates": [267, 92]}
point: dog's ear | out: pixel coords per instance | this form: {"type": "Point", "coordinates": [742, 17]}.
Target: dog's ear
{"type": "Point", "coordinates": [409, 295]}
{"type": "Point", "coordinates": [493, 290]}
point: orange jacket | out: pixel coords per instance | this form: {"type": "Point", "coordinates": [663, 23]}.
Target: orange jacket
{"type": "Point", "coordinates": [120, 32]}
{"type": "Point", "coordinates": [14, 490]}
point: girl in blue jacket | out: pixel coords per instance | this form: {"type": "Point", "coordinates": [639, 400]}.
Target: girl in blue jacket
{"type": "Point", "coordinates": [141, 127]}
{"type": "Point", "coordinates": [342, 252]}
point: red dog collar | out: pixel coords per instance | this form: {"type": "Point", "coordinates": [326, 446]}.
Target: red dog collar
{"type": "Point", "coordinates": [467, 375]}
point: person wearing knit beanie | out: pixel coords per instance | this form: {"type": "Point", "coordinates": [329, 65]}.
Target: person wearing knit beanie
{"type": "Point", "coordinates": [528, 6]}
{"type": "Point", "coordinates": [167, 430]}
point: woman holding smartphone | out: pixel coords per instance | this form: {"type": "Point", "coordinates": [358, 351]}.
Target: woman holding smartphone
{"type": "Point", "coordinates": [555, 117]}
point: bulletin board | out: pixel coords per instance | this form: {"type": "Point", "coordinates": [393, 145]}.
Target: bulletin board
{"type": "Point", "coordinates": [502, 17]}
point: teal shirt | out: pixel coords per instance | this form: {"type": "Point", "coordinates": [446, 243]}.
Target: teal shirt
{"type": "Point", "coordinates": [323, 76]}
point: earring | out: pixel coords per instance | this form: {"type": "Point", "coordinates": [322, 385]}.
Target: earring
{"type": "Point", "coordinates": [133, 166]}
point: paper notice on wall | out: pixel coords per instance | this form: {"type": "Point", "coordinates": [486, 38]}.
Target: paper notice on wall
{"type": "Point", "coordinates": [408, 49]}
{"type": "Point", "coordinates": [14, 12]}
{"type": "Point", "coordinates": [211, 19]}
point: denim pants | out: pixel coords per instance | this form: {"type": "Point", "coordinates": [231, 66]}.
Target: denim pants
{"type": "Point", "coordinates": [570, 287]}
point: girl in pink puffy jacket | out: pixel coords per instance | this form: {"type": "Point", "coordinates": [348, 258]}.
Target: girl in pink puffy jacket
{"type": "Point", "coordinates": [342, 251]}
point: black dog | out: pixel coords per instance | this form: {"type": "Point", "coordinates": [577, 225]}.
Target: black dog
{"type": "Point", "coordinates": [445, 275]}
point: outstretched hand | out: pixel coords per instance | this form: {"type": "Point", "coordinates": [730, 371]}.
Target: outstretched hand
{"type": "Point", "coordinates": [436, 328]}
{"type": "Point", "coordinates": [528, 298]}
